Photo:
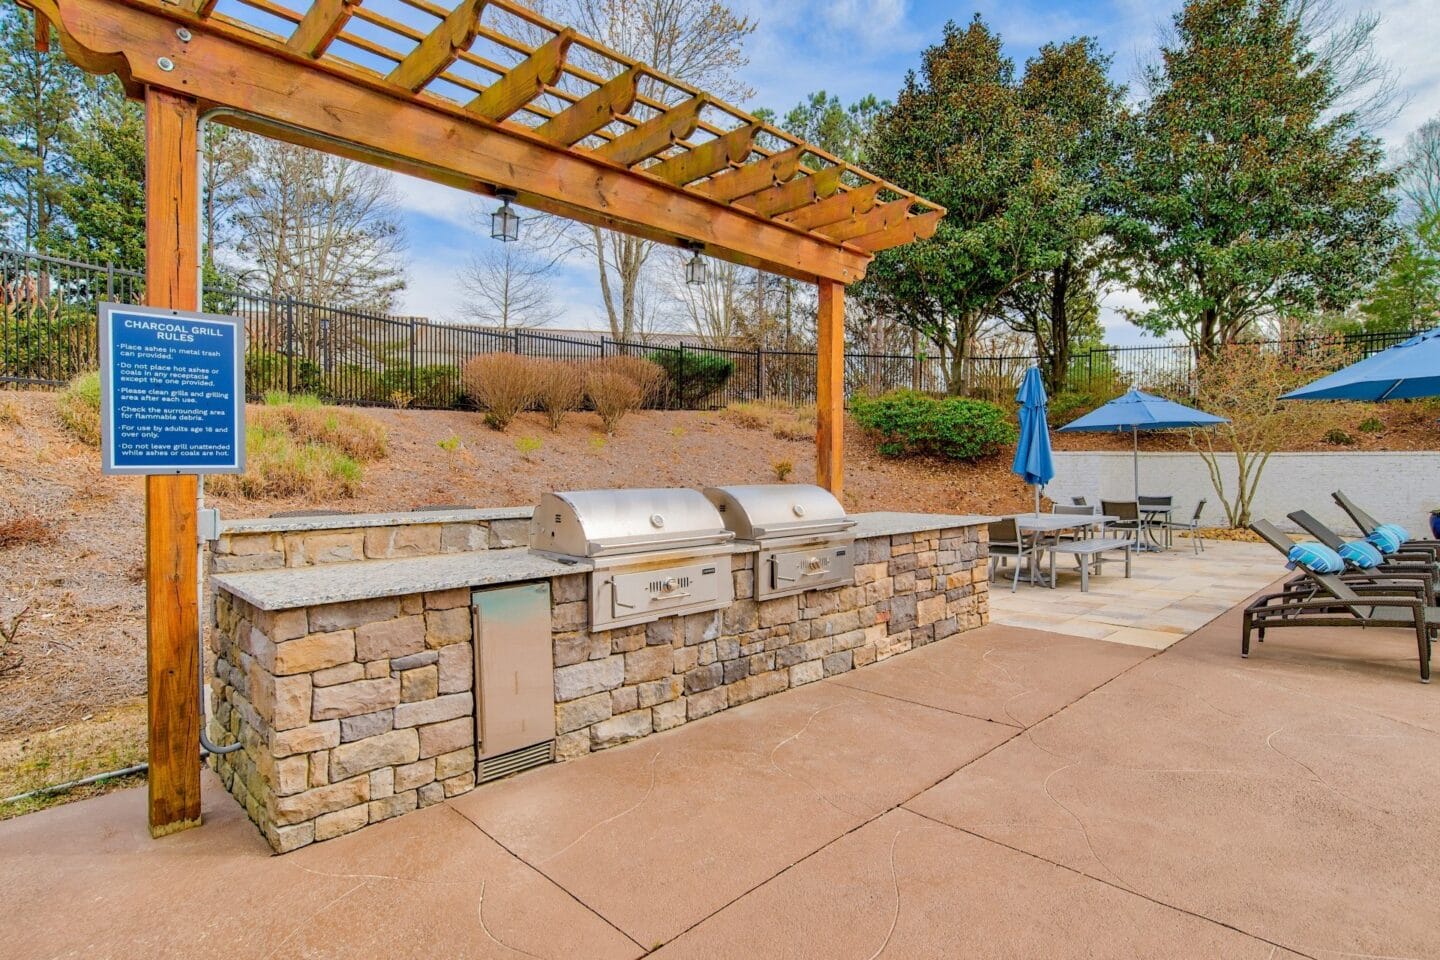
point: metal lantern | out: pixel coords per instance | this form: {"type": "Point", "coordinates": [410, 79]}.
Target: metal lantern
{"type": "Point", "coordinates": [695, 268]}
{"type": "Point", "coordinates": [505, 222]}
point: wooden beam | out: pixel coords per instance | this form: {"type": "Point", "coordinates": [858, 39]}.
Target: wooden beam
{"type": "Point", "coordinates": [707, 158]}
{"type": "Point", "coordinates": [830, 390]}
{"type": "Point", "coordinates": [842, 206]}
{"type": "Point", "coordinates": [883, 217]}
{"type": "Point", "coordinates": [526, 81]}
{"type": "Point", "coordinates": [334, 107]}
{"type": "Point", "coordinates": [654, 135]}
{"type": "Point", "coordinates": [172, 620]}
{"type": "Point", "coordinates": [753, 177]}
{"type": "Point", "coordinates": [595, 110]}
{"type": "Point", "coordinates": [321, 25]}
{"type": "Point", "coordinates": [440, 47]}
{"type": "Point", "coordinates": [920, 227]}
{"type": "Point", "coordinates": [800, 192]}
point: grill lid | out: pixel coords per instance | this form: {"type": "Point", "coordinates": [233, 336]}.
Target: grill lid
{"type": "Point", "coordinates": [763, 511]}
{"type": "Point", "coordinates": [600, 523]}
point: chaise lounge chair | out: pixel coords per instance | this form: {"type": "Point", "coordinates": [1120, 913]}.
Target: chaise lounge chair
{"type": "Point", "coordinates": [1402, 565]}
{"type": "Point", "coordinates": [1368, 524]}
{"type": "Point", "coordinates": [1327, 600]}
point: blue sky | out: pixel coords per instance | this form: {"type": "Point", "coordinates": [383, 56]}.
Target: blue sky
{"type": "Point", "coordinates": [854, 47]}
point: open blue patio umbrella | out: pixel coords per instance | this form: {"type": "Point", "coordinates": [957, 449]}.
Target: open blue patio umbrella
{"type": "Point", "coordinates": [1137, 411]}
{"type": "Point", "coordinates": [1403, 372]}
{"type": "Point", "coordinates": [1032, 451]}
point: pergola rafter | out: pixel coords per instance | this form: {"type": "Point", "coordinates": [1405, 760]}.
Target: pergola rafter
{"type": "Point", "coordinates": [485, 96]}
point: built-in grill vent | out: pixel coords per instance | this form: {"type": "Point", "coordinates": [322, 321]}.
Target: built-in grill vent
{"type": "Point", "coordinates": [669, 585]}
{"type": "Point", "coordinates": [517, 761]}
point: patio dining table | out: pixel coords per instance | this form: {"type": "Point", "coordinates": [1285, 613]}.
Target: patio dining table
{"type": "Point", "coordinates": [1041, 525]}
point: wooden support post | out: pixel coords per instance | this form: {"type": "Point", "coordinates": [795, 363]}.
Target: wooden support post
{"type": "Point", "coordinates": [830, 390]}
{"type": "Point", "coordinates": [171, 577]}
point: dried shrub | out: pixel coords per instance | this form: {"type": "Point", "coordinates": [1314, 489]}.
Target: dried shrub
{"type": "Point", "coordinates": [650, 377]}
{"type": "Point", "coordinates": [783, 421]}
{"type": "Point", "coordinates": [613, 395]}
{"type": "Point", "coordinates": [559, 389]}
{"type": "Point", "coordinates": [503, 383]}
{"type": "Point", "coordinates": [23, 531]}
{"type": "Point", "coordinates": [306, 420]}
{"type": "Point", "coordinates": [79, 408]}
{"type": "Point", "coordinates": [10, 414]}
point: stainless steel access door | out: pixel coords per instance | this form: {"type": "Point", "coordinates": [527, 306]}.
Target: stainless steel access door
{"type": "Point", "coordinates": [514, 668]}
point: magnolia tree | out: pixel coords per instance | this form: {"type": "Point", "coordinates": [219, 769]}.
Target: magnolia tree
{"type": "Point", "coordinates": [1243, 382]}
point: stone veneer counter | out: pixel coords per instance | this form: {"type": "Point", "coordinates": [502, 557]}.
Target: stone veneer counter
{"type": "Point", "coordinates": [889, 524]}
{"type": "Point", "coordinates": [344, 650]}
{"type": "Point", "coordinates": [292, 588]}
{"type": "Point", "coordinates": [342, 521]}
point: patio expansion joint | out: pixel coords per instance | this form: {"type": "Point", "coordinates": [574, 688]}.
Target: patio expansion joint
{"type": "Point", "coordinates": [1129, 891]}
{"type": "Point", "coordinates": [930, 706]}
{"type": "Point", "coordinates": [549, 879]}
{"type": "Point", "coordinates": [901, 805]}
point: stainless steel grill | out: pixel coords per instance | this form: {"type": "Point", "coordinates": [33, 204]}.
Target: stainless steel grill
{"type": "Point", "coordinates": [656, 553]}
{"type": "Point", "coordinates": [802, 531]}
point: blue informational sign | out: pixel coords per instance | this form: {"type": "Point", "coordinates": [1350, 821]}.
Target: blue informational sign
{"type": "Point", "coordinates": [172, 391]}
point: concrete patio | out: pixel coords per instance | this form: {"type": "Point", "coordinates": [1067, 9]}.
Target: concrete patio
{"type": "Point", "coordinates": [1005, 793]}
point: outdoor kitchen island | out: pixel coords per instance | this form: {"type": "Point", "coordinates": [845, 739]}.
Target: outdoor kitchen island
{"type": "Point", "coordinates": [373, 664]}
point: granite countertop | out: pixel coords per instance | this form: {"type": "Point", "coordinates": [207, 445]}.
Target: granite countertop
{"type": "Point", "coordinates": [290, 588]}
{"type": "Point", "coordinates": [888, 524]}
{"type": "Point", "coordinates": [351, 520]}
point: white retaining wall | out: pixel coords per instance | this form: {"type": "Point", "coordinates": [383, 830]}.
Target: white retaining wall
{"type": "Point", "coordinates": [1396, 487]}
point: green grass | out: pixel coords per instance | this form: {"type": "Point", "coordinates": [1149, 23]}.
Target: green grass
{"type": "Point", "coordinates": [79, 408]}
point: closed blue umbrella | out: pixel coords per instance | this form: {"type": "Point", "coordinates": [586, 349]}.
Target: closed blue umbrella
{"type": "Point", "coordinates": [1137, 411]}
{"type": "Point", "coordinates": [1032, 452]}
{"type": "Point", "coordinates": [1403, 372]}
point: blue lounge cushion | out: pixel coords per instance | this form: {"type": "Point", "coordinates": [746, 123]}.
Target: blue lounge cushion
{"type": "Point", "coordinates": [1315, 557]}
{"type": "Point", "coordinates": [1360, 554]}
{"type": "Point", "coordinates": [1399, 531]}
{"type": "Point", "coordinates": [1384, 540]}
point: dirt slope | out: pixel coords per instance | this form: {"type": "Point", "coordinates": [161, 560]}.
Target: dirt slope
{"type": "Point", "coordinates": [82, 640]}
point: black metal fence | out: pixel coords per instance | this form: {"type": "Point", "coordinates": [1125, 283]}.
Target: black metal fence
{"type": "Point", "coordinates": [48, 335]}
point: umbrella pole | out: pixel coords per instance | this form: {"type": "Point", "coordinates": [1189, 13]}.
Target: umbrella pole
{"type": "Point", "coordinates": [1037, 499]}
{"type": "Point", "coordinates": [1135, 434]}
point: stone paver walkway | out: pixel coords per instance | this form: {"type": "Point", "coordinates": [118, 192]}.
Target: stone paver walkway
{"type": "Point", "coordinates": [1168, 596]}
{"type": "Point", "coordinates": [1008, 793]}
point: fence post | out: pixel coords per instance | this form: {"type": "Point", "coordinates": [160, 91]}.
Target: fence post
{"type": "Point", "coordinates": [759, 374]}
{"type": "Point", "coordinates": [289, 344]}
{"type": "Point", "coordinates": [109, 281]}
{"type": "Point", "coordinates": [515, 337]}
{"type": "Point", "coordinates": [680, 378]}
{"type": "Point", "coordinates": [412, 360]}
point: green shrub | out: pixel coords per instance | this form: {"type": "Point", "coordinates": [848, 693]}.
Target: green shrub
{"type": "Point", "coordinates": [907, 422]}
{"type": "Point", "coordinates": [692, 378]}
{"type": "Point", "coordinates": [79, 408]}
{"type": "Point", "coordinates": [1371, 425]}
{"type": "Point", "coordinates": [279, 465]}
{"type": "Point", "coordinates": [1339, 438]}
{"type": "Point", "coordinates": [1071, 405]}
{"type": "Point", "coordinates": [266, 371]}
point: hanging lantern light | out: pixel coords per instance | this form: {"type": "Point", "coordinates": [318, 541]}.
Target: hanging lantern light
{"type": "Point", "coordinates": [505, 222]}
{"type": "Point", "coordinates": [695, 267]}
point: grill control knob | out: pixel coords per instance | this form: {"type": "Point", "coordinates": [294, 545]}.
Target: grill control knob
{"type": "Point", "coordinates": [814, 565]}
{"type": "Point", "coordinates": [669, 585]}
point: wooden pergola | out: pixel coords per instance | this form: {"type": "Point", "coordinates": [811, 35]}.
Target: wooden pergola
{"type": "Point", "coordinates": [487, 96]}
